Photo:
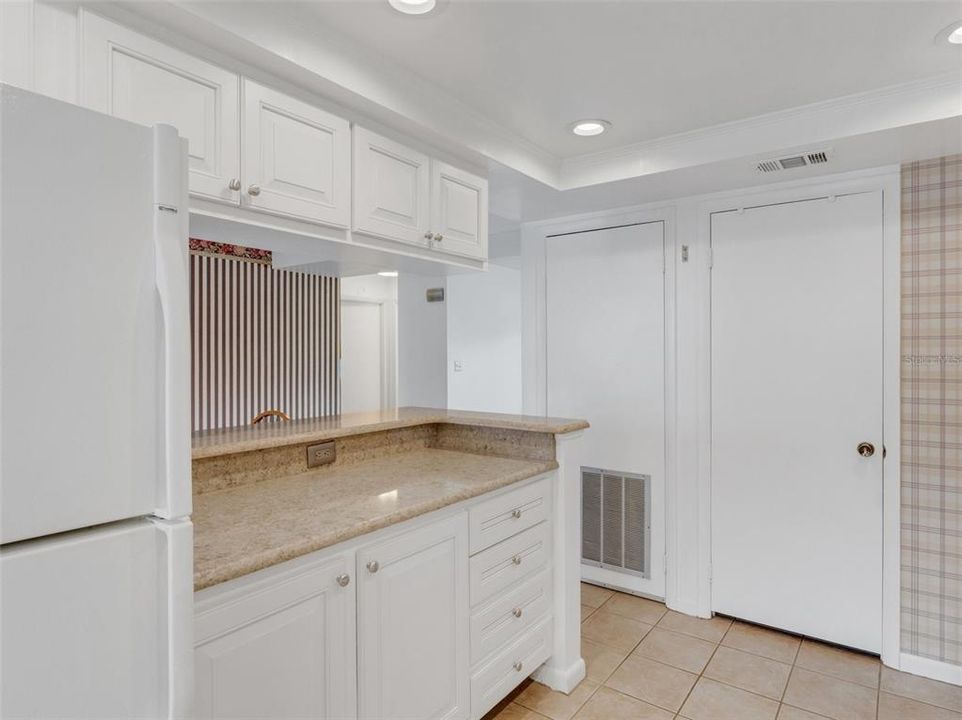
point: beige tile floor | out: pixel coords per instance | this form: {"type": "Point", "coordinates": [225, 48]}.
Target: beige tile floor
{"type": "Point", "coordinates": [646, 662]}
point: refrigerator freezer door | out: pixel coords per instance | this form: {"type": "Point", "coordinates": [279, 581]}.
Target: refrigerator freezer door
{"type": "Point", "coordinates": [97, 623]}
{"type": "Point", "coordinates": [83, 352]}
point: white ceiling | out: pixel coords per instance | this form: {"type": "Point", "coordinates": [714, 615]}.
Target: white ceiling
{"type": "Point", "coordinates": [652, 68]}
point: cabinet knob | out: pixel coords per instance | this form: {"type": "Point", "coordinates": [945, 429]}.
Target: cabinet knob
{"type": "Point", "coordinates": [343, 580]}
{"type": "Point", "coordinates": [234, 184]}
{"type": "Point", "coordinates": [518, 665]}
{"type": "Point", "coordinates": [439, 237]}
{"type": "Point", "coordinates": [253, 190]}
{"type": "Point", "coordinates": [428, 236]}
{"type": "Point", "coordinates": [516, 612]}
{"type": "Point", "coordinates": [373, 566]}
{"type": "Point", "coordinates": [516, 559]}
{"type": "Point", "coordinates": [516, 513]}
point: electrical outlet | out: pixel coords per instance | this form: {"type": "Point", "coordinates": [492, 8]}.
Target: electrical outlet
{"type": "Point", "coordinates": [321, 454]}
{"type": "Point", "coordinates": [458, 366]}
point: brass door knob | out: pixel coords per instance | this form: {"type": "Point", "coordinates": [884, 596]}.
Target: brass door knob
{"type": "Point", "coordinates": [865, 449]}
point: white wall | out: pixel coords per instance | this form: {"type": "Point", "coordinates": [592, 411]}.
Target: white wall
{"type": "Point", "coordinates": [484, 336]}
{"type": "Point", "coordinates": [422, 343]}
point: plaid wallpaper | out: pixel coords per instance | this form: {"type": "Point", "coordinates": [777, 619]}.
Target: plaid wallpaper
{"type": "Point", "coordinates": [932, 409]}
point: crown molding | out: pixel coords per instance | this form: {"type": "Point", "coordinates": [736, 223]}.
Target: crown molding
{"type": "Point", "coordinates": [932, 98]}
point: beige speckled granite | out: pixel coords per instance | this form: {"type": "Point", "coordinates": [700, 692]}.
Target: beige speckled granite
{"type": "Point", "coordinates": [275, 434]}
{"type": "Point", "coordinates": [222, 471]}
{"type": "Point", "coordinates": [243, 529]}
{"type": "Point", "coordinates": [504, 442]}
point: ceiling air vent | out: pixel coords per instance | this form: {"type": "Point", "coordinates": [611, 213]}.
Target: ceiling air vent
{"type": "Point", "coordinates": [816, 157]}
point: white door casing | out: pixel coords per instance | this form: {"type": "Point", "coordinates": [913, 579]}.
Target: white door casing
{"type": "Point", "coordinates": [797, 384]}
{"type": "Point", "coordinates": [605, 361]}
{"type": "Point", "coordinates": [391, 189]}
{"type": "Point", "coordinates": [131, 76]}
{"type": "Point", "coordinates": [412, 621]}
{"type": "Point", "coordinates": [296, 156]}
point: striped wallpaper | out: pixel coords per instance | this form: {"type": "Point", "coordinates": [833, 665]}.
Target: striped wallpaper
{"type": "Point", "coordinates": [932, 409]}
{"type": "Point", "coordinates": [260, 338]}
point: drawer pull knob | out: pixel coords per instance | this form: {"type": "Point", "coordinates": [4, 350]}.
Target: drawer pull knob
{"type": "Point", "coordinates": [518, 665]}
{"type": "Point", "coordinates": [516, 513]}
{"type": "Point", "coordinates": [516, 559]}
{"type": "Point", "coordinates": [516, 612]}
{"type": "Point", "coordinates": [373, 566]}
{"type": "Point", "coordinates": [254, 190]}
{"type": "Point", "coordinates": [343, 580]}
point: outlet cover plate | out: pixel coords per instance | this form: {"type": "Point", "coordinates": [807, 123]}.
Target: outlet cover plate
{"type": "Point", "coordinates": [321, 454]}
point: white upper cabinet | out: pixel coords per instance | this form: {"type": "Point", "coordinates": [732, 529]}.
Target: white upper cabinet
{"type": "Point", "coordinates": [131, 76]}
{"type": "Point", "coordinates": [391, 186]}
{"type": "Point", "coordinates": [281, 648]}
{"type": "Point", "coordinates": [459, 211]}
{"type": "Point", "coordinates": [412, 622]}
{"type": "Point", "coordinates": [297, 158]}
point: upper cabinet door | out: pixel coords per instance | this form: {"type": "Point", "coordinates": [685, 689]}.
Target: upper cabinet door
{"type": "Point", "coordinates": [459, 211]}
{"type": "Point", "coordinates": [297, 159]}
{"type": "Point", "coordinates": [130, 76]}
{"type": "Point", "coordinates": [391, 186]}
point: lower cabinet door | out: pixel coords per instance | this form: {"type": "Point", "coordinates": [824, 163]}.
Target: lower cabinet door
{"type": "Point", "coordinates": [413, 624]}
{"type": "Point", "coordinates": [283, 647]}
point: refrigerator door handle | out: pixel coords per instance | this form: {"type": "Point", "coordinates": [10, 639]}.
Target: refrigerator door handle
{"type": "Point", "coordinates": [179, 535]}
{"type": "Point", "coordinates": [170, 245]}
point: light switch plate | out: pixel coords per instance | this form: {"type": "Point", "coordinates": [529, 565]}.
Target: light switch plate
{"type": "Point", "coordinates": [321, 454]}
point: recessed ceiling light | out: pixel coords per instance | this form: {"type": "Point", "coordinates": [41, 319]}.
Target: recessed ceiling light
{"type": "Point", "coordinates": [388, 273]}
{"type": "Point", "coordinates": [413, 7]}
{"type": "Point", "coordinates": [588, 128]}
{"type": "Point", "coordinates": [951, 34]}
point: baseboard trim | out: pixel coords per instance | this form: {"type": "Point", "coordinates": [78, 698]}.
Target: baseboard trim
{"type": "Point", "coordinates": [932, 669]}
{"type": "Point", "coordinates": [561, 679]}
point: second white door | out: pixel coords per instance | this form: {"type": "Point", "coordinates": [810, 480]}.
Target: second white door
{"type": "Point", "coordinates": [796, 398]}
{"type": "Point", "coordinates": [362, 354]}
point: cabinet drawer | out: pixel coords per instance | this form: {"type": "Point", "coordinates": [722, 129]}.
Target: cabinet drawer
{"type": "Point", "coordinates": [494, 681]}
{"type": "Point", "coordinates": [501, 517]}
{"type": "Point", "coordinates": [508, 616]}
{"type": "Point", "coordinates": [509, 561]}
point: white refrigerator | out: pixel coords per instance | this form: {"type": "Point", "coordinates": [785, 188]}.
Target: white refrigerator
{"type": "Point", "coordinates": [96, 556]}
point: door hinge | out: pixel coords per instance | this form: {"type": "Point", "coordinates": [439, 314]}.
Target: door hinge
{"type": "Point", "coordinates": [711, 258]}
{"type": "Point", "coordinates": [711, 573]}
{"type": "Point", "coordinates": [664, 564]}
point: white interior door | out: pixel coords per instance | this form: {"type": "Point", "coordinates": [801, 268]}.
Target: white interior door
{"type": "Point", "coordinates": [362, 356]}
{"type": "Point", "coordinates": [796, 385]}
{"type": "Point", "coordinates": [605, 362]}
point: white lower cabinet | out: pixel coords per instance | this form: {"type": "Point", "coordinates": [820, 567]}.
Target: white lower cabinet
{"type": "Point", "coordinates": [282, 647]}
{"type": "Point", "coordinates": [405, 624]}
{"type": "Point", "coordinates": [412, 612]}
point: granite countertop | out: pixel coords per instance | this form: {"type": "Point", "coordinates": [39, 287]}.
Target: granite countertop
{"type": "Point", "coordinates": [211, 443]}
{"type": "Point", "coordinates": [247, 528]}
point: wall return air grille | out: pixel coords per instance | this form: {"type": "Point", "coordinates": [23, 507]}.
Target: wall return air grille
{"type": "Point", "coordinates": [616, 521]}
{"type": "Point", "coordinates": [816, 157]}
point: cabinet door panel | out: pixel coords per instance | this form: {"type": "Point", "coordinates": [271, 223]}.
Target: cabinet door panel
{"type": "Point", "coordinates": [459, 202]}
{"type": "Point", "coordinates": [413, 625]}
{"type": "Point", "coordinates": [298, 155]}
{"type": "Point", "coordinates": [391, 187]}
{"type": "Point", "coordinates": [283, 649]}
{"type": "Point", "coordinates": [133, 77]}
